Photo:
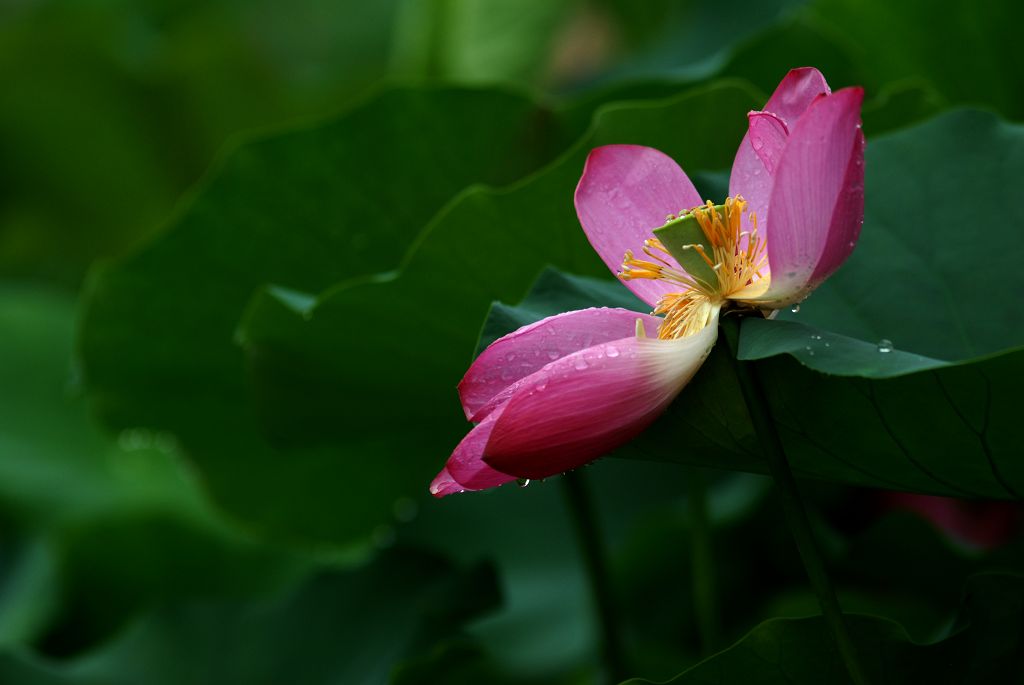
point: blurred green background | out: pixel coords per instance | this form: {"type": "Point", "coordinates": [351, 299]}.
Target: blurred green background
{"type": "Point", "coordinates": [202, 482]}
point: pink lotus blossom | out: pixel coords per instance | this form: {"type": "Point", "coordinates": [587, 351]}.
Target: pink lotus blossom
{"type": "Point", "coordinates": [561, 392]}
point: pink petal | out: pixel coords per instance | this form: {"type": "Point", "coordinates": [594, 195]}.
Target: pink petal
{"type": "Point", "coordinates": [791, 98]}
{"type": "Point", "coordinates": [466, 466]}
{"type": "Point", "coordinates": [522, 352]}
{"type": "Point", "coordinates": [588, 403]}
{"type": "Point", "coordinates": [847, 218]}
{"type": "Point", "coordinates": [444, 485]}
{"type": "Point", "coordinates": [625, 192]}
{"type": "Point", "coordinates": [767, 133]}
{"type": "Point", "coordinates": [817, 200]}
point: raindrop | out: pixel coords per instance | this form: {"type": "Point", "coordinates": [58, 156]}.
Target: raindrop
{"type": "Point", "coordinates": [580, 364]}
{"type": "Point", "coordinates": [828, 344]}
{"type": "Point", "coordinates": [812, 353]}
{"type": "Point", "coordinates": [552, 355]}
{"type": "Point", "coordinates": [612, 351]}
{"type": "Point", "coordinates": [522, 482]}
{"type": "Point", "coordinates": [815, 337]}
{"type": "Point", "coordinates": [541, 386]}
{"type": "Point", "coordinates": [795, 308]}
{"type": "Point", "coordinates": [884, 345]}
{"type": "Point", "coordinates": [511, 356]}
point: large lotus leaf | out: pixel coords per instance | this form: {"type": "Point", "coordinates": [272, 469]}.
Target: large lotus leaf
{"type": "Point", "coordinates": [304, 210]}
{"type": "Point", "coordinates": [93, 528]}
{"type": "Point", "coordinates": [335, 627]}
{"type": "Point", "coordinates": [372, 361]}
{"type": "Point", "coordinates": [479, 41]}
{"type": "Point", "coordinates": [890, 41]}
{"type": "Point", "coordinates": [110, 110]}
{"type": "Point", "coordinates": [900, 371]}
{"type": "Point", "coordinates": [55, 465]}
{"type": "Point", "coordinates": [984, 647]}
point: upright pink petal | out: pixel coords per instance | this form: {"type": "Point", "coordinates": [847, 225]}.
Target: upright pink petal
{"type": "Point", "coordinates": [528, 349]}
{"type": "Point", "coordinates": [847, 217]}
{"type": "Point", "coordinates": [588, 403]}
{"type": "Point", "coordinates": [817, 200]}
{"type": "Point", "coordinates": [767, 133]}
{"type": "Point", "coordinates": [624, 193]}
{"type": "Point", "coordinates": [466, 466]}
{"type": "Point", "coordinates": [791, 98]}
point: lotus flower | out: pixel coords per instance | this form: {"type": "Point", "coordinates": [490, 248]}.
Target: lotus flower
{"type": "Point", "coordinates": [561, 392]}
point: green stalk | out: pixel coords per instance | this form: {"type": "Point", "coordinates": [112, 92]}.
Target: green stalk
{"type": "Point", "coordinates": [792, 503]}
{"type": "Point", "coordinates": [705, 607]}
{"type": "Point", "coordinates": [580, 505]}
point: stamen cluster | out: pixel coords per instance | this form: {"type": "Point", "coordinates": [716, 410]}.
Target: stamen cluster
{"type": "Point", "coordinates": [737, 258]}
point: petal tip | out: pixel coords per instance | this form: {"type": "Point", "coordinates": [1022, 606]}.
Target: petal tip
{"type": "Point", "coordinates": [444, 485]}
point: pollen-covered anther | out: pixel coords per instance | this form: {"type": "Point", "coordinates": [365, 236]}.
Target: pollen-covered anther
{"type": "Point", "coordinates": [739, 255]}
{"type": "Point", "coordinates": [633, 268]}
{"type": "Point", "coordinates": [685, 313]}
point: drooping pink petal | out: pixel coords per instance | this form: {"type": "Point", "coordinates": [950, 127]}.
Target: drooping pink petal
{"type": "Point", "coordinates": [791, 98]}
{"type": "Point", "coordinates": [588, 403]}
{"type": "Point", "coordinates": [624, 193]}
{"type": "Point", "coordinates": [528, 349]}
{"type": "Point", "coordinates": [817, 199]}
{"type": "Point", "coordinates": [444, 485]}
{"type": "Point", "coordinates": [466, 466]}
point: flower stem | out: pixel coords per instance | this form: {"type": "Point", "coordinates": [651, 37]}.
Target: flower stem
{"type": "Point", "coordinates": [792, 503]}
{"type": "Point", "coordinates": [705, 607]}
{"type": "Point", "coordinates": [578, 498]}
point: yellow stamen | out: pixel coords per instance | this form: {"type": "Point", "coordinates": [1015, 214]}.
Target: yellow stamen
{"type": "Point", "coordinates": [738, 259]}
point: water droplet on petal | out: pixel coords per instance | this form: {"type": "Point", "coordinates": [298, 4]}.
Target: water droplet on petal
{"type": "Point", "coordinates": [522, 482]}
{"type": "Point", "coordinates": [795, 308]}
{"type": "Point", "coordinates": [884, 345]}
{"type": "Point", "coordinates": [511, 356]}
{"type": "Point", "coordinates": [612, 351]}
{"type": "Point", "coordinates": [580, 363]}
{"type": "Point", "coordinates": [552, 355]}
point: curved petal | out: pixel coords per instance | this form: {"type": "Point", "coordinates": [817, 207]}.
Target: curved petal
{"type": "Point", "coordinates": [443, 484]}
{"type": "Point", "coordinates": [466, 466]}
{"type": "Point", "coordinates": [791, 98]}
{"type": "Point", "coordinates": [532, 347]}
{"type": "Point", "coordinates": [625, 192]}
{"type": "Point", "coordinates": [767, 133]}
{"type": "Point", "coordinates": [588, 403]}
{"type": "Point", "coordinates": [847, 217]}
{"type": "Point", "coordinates": [817, 200]}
